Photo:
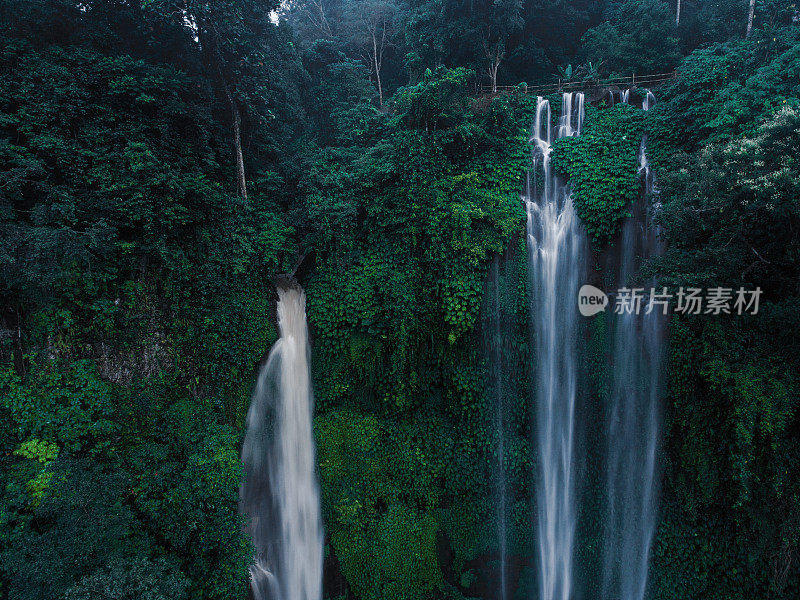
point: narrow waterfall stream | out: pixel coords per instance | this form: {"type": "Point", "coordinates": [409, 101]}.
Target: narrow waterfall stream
{"type": "Point", "coordinates": [633, 424]}
{"type": "Point", "coordinates": [649, 101]}
{"type": "Point", "coordinates": [280, 493]}
{"type": "Point", "coordinates": [556, 245]}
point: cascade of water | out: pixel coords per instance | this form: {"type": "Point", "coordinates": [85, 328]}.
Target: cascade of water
{"type": "Point", "coordinates": [571, 120]}
{"type": "Point", "coordinates": [649, 101]}
{"type": "Point", "coordinates": [279, 493]}
{"type": "Point", "coordinates": [625, 96]}
{"type": "Point", "coordinates": [633, 424]}
{"type": "Point", "coordinates": [556, 246]}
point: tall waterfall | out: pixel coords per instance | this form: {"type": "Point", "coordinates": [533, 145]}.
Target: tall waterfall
{"type": "Point", "coordinates": [280, 494]}
{"type": "Point", "coordinates": [556, 244]}
{"type": "Point", "coordinates": [633, 425]}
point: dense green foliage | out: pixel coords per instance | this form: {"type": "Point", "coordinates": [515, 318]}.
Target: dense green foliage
{"type": "Point", "coordinates": [601, 166]}
{"type": "Point", "coordinates": [131, 276]}
{"type": "Point", "coordinates": [162, 161]}
{"type": "Point", "coordinates": [638, 37]}
{"type": "Point", "coordinates": [394, 299]}
{"type": "Point", "coordinates": [728, 173]}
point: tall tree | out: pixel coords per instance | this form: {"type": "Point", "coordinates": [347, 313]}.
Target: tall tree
{"type": "Point", "coordinates": [317, 15]}
{"type": "Point", "coordinates": [313, 20]}
{"type": "Point", "coordinates": [232, 38]}
{"type": "Point", "coordinates": [639, 37]}
{"type": "Point", "coordinates": [750, 15]}
{"type": "Point", "coordinates": [496, 22]}
{"type": "Point", "coordinates": [371, 26]}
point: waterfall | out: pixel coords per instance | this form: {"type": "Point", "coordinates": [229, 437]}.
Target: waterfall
{"type": "Point", "coordinates": [649, 101]}
{"type": "Point", "coordinates": [279, 493]}
{"type": "Point", "coordinates": [556, 246]}
{"type": "Point", "coordinates": [633, 424]}
{"type": "Point", "coordinates": [623, 95]}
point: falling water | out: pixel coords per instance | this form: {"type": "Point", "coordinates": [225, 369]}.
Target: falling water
{"type": "Point", "coordinates": [649, 101]}
{"type": "Point", "coordinates": [634, 413]}
{"type": "Point", "coordinates": [556, 245]}
{"type": "Point", "coordinates": [617, 96]}
{"type": "Point", "coordinates": [280, 494]}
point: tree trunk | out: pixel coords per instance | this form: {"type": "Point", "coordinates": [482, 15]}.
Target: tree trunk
{"type": "Point", "coordinates": [750, 17]}
{"type": "Point", "coordinates": [377, 68]}
{"type": "Point", "coordinates": [494, 54]}
{"type": "Point", "coordinates": [236, 117]}
{"type": "Point", "coordinates": [208, 44]}
{"type": "Point", "coordinates": [678, 14]}
{"type": "Point", "coordinates": [493, 68]}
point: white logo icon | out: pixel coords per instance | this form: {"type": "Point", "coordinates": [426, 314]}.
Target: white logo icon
{"type": "Point", "coordinates": [591, 300]}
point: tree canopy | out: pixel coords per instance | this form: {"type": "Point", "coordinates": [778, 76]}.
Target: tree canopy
{"type": "Point", "coordinates": [162, 161]}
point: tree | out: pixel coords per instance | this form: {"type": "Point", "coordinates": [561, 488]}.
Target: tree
{"type": "Point", "coordinates": [371, 27]}
{"type": "Point", "coordinates": [495, 23]}
{"type": "Point", "coordinates": [640, 37]}
{"type": "Point", "coordinates": [313, 19]}
{"type": "Point", "coordinates": [233, 44]}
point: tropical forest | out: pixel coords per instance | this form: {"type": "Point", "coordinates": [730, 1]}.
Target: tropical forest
{"type": "Point", "coordinates": [399, 300]}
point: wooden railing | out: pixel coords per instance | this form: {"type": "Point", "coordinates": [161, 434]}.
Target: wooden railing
{"type": "Point", "coordinates": [587, 84]}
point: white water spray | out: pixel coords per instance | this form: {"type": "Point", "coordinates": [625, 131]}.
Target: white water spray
{"type": "Point", "coordinates": [280, 494]}
{"type": "Point", "coordinates": [649, 101]}
{"type": "Point", "coordinates": [633, 426]}
{"type": "Point", "coordinates": [556, 244]}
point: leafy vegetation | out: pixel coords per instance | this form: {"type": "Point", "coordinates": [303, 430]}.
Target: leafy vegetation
{"type": "Point", "coordinates": [601, 166]}
{"type": "Point", "coordinates": [161, 162]}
